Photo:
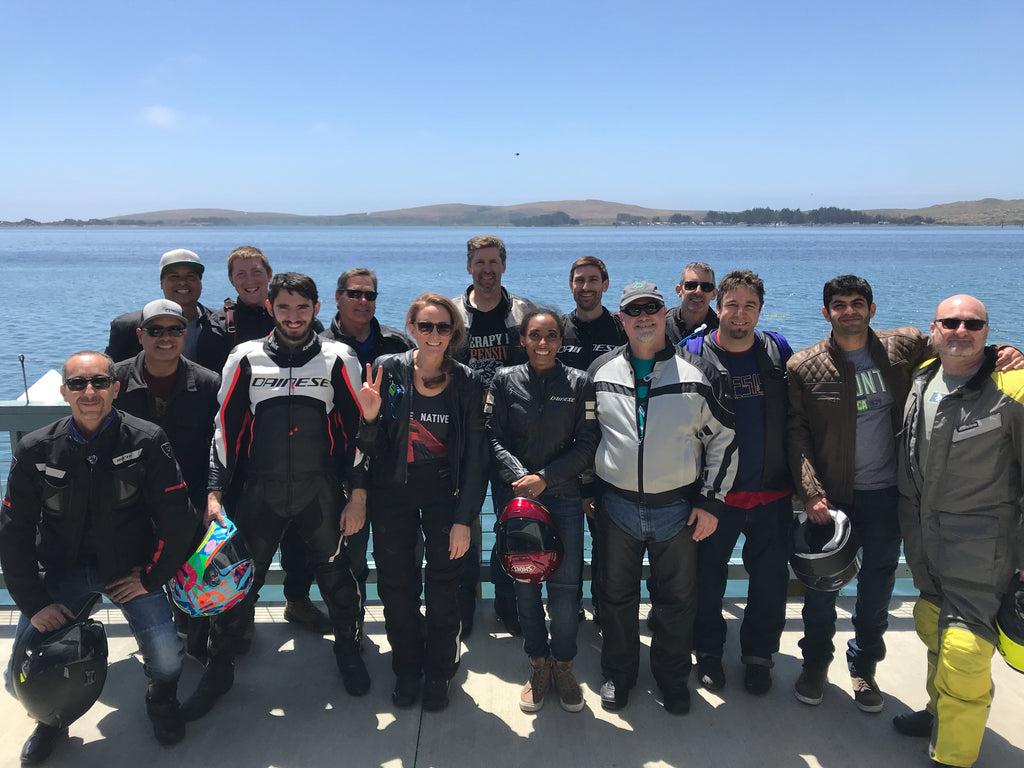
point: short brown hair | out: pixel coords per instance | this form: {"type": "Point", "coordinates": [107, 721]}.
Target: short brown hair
{"type": "Point", "coordinates": [741, 277]}
{"type": "Point", "coordinates": [588, 261]}
{"type": "Point", "coordinates": [246, 252]}
{"type": "Point", "coordinates": [347, 275]}
{"type": "Point", "coordinates": [484, 241]}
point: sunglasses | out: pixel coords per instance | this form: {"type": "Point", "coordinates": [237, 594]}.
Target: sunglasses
{"type": "Point", "coordinates": [443, 329]}
{"type": "Point", "coordinates": [355, 293]}
{"type": "Point", "coordinates": [79, 383]}
{"type": "Point", "coordinates": [650, 308]}
{"type": "Point", "coordinates": [156, 331]}
{"type": "Point", "coordinates": [952, 323]}
{"type": "Point", "coordinates": [693, 285]}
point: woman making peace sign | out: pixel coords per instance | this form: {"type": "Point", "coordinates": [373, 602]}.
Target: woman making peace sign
{"type": "Point", "coordinates": [423, 429]}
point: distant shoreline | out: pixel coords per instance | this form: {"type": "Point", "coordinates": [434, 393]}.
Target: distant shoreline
{"type": "Point", "coordinates": [989, 212]}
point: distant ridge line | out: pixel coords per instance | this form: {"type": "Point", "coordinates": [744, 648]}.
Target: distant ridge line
{"type": "Point", "coordinates": [985, 212]}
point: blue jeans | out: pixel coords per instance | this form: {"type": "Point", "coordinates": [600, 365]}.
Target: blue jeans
{"type": "Point", "coordinates": [874, 518]}
{"type": "Point", "coordinates": [674, 605]}
{"type": "Point", "coordinates": [766, 530]}
{"type": "Point", "coordinates": [149, 619]}
{"type": "Point", "coordinates": [562, 586]}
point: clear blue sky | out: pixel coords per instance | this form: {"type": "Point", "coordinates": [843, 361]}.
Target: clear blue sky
{"type": "Point", "coordinates": [111, 108]}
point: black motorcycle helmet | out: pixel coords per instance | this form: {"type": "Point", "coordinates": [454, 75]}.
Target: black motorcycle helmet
{"type": "Point", "coordinates": [825, 557]}
{"type": "Point", "coordinates": [57, 676]}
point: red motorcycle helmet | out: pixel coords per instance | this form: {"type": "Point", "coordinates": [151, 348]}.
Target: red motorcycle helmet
{"type": "Point", "coordinates": [528, 543]}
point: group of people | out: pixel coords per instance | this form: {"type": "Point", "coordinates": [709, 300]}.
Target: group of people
{"type": "Point", "coordinates": [670, 431]}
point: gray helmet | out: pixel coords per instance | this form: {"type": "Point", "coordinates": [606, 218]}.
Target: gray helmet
{"type": "Point", "coordinates": [825, 557]}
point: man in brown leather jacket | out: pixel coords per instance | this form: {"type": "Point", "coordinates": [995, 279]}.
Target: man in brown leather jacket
{"type": "Point", "coordinates": [846, 397]}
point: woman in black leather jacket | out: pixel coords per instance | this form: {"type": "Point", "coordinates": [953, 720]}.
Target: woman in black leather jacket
{"type": "Point", "coordinates": [423, 429]}
{"type": "Point", "coordinates": [543, 433]}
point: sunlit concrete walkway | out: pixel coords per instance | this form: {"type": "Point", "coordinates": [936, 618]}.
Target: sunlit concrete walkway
{"type": "Point", "coordinates": [288, 709]}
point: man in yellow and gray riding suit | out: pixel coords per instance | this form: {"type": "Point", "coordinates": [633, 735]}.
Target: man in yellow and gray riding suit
{"type": "Point", "coordinates": [960, 481]}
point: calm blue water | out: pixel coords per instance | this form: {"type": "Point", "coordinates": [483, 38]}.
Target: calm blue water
{"type": "Point", "coordinates": [61, 287]}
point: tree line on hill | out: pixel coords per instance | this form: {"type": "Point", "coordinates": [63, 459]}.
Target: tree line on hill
{"type": "Point", "coordinates": [751, 217]}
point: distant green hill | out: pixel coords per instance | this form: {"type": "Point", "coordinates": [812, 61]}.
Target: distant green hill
{"type": "Point", "coordinates": [987, 212]}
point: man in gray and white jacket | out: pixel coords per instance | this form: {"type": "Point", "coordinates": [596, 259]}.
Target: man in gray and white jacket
{"type": "Point", "coordinates": [666, 459]}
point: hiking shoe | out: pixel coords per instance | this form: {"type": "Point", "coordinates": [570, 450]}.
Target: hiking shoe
{"type": "Point", "coordinates": [217, 679]}
{"type": "Point", "coordinates": [710, 672]}
{"type": "Point", "coordinates": [757, 679]}
{"type": "Point", "coordinates": [613, 697]}
{"type": "Point", "coordinates": [531, 698]}
{"type": "Point", "coordinates": [306, 614]}
{"type": "Point", "coordinates": [810, 686]}
{"type": "Point", "coordinates": [407, 690]}
{"type": "Point", "coordinates": [40, 743]}
{"type": "Point", "coordinates": [866, 694]}
{"type": "Point", "coordinates": [435, 693]}
{"type": "Point", "coordinates": [508, 614]}
{"type": "Point", "coordinates": [917, 724]}
{"type": "Point", "coordinates": [570, 695]}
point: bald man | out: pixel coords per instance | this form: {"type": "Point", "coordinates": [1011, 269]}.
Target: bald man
{"type": "Point", "coordinates": [961, 459]}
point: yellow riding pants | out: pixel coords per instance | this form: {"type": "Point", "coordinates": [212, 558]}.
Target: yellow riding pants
{"type": "Point", "coordinates": [959, 686]}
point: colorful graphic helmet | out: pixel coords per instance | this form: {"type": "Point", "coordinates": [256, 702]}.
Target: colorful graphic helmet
{"type": "Point", "coordinates": [1010, 624]}
{"type": "Point", "coordinates": [57, 676]}
{"type": "Point", "coordinates": [528, 543]}
{"type": "Point", "coordinates": [216, 576]}
{"type": "Point", "coordinates": [825, 557]}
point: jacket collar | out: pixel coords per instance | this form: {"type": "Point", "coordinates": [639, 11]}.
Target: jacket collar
{"type": "Point", "coordinates": [503, 305]}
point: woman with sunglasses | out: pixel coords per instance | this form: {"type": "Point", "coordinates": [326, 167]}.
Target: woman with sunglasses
{"type": "Point", "coordinates": [543, 434]}
{"type": "Point", "coordinates": [423, 429]}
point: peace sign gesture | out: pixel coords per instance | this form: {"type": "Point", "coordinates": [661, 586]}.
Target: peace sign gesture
{"type": "Point", "coordinates": [369, 393]}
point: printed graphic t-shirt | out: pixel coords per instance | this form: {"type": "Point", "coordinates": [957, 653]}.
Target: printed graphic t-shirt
{"type": "Point", "coordinates": [429, 424]}
{"type": "Point", "coordinates": [875, 455]}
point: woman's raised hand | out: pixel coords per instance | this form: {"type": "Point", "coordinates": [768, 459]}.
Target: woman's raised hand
{"type": "Point", "coordinates": [369, 393]}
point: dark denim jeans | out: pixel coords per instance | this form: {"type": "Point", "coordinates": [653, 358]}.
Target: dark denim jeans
{"type": "Point", "coordinates": [148, 616]}
{"type": "Point", "coordinates": [874, 518]}
{"type": "Point", "coordinates": [766, 530]}
{"type": "Point", "coordinates": [673, 567]}
{"type": "Point", "coordinates": [562, 586]}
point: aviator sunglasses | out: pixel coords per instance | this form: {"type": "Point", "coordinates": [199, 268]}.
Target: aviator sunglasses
{"type": "Point", "coordinates": [971, 324]}
{"type": "Point", "coordinates": [356, 294]}
{"type": "Point", "coordinates": [692, 285]}
{"type": "Point", "coordinates": [156, 331]}
{"type": "Point", "coordinates": [443, 329]}
{"type": "Point", "coordinates": [79, 383]}
{"type": "Point", "coordinates": [650, 308]}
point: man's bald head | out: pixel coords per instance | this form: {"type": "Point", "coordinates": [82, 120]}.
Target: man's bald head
{"type": "Point", "coordinates": [959, 333]}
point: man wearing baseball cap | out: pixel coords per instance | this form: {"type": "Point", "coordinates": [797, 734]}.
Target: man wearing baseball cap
{"type": "Point", "coordinates": [161, 386]}
{"type": "Point", "coordinates": [664, 464]}
{"type": "Point", "coordinates": [181, 280]}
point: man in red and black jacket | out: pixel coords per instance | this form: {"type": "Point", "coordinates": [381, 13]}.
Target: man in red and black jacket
{"type": "Point", "coordinates": [95, 503]}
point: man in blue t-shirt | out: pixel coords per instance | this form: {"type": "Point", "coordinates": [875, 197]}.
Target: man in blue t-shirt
{"type": "Point", "coordinates": [760, 503]}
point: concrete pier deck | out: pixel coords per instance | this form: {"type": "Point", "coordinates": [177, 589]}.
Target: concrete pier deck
{"type": "Point", "coordinates": [289, 710]}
